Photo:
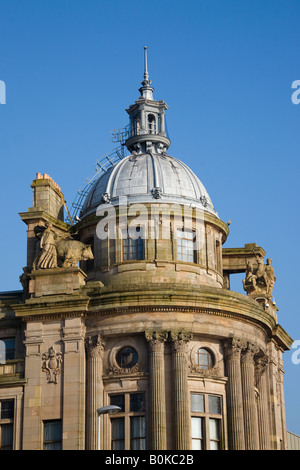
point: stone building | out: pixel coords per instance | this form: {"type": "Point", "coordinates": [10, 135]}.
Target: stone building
{"type": "Point", "coordinates": [130, 307]}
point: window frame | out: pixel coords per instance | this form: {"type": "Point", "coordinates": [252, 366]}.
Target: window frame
{"type": "Point", "coordinates": [127, 416]}
{"type": "Point", "coordinates": [207, 416]}
{"type": "Point", "coordinates": [60, 441]}
{"type": "Point", "coordinates": [181, 254]}
{"type": "Point", "coordinates": [7, 421]}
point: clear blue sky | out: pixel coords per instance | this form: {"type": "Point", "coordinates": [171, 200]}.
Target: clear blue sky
{"type": "Point", "coordinates": [225, 68]}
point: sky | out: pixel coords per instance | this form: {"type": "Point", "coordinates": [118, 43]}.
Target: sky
{"type": "Point", "coordinates": [225, 69]}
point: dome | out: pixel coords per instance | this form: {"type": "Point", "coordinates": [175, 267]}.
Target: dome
{"type": "Point", "coordinates": [148, 178]}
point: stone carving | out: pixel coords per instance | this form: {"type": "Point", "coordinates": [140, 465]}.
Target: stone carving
{"type": "Point", "coordinates": [156, 193]}
{"type": "Point", "coordinates": [211, 372]}
{"type": "Point", "coordinates": [70, 252]}
{"type": "Point", "coordinates": [204, 201]}
{"type": "Point", "coordinates": [115, 370]}
{"type": "Point", "coordinates": [60, 250]}
{"type": "Point", "coordinates": [95, 346]}
{"type": "Point", "coordinates": [260, 279]}
{"type": "Point", "coordinates": [52, 365]}
{"type": "Point", "coordinates": [156, 339]}
{"type": "Point", "coordinates": [106, 198]}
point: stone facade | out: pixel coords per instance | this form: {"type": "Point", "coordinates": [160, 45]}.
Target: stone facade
{"type": "Point", "coordinates": [190, 363]}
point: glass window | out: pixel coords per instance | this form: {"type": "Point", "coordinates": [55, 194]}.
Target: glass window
{"type": "Point", "coordinates": [6, 432]}
{"type": "Point", "coordinates": [204, 358]}
{"type": "Point", "coordinates": [185, 246]}
{"type": "Point", "coordinates": [118, 400]}
{"type": "Point", "coordinates": [133, 249]}
{"type": "Point", "coordinates": [214, 403]}
{"type": "Point", "coordinates": [197, 403]}
{"type": "Point", "coordinates": [7, 349]}
{"type": "Point", "coordinates": [137, 402]}
{"type": "Point", "coordinates": [206, 421]}
{"type": "Point", "coordinates": [129, 426]}
{"type": "Point", "coordinates": [197, 433]}
{"type": "Point", "coordinates": [138, 433]}
{"type": "Point", "coordinates": [214, 434]}
{"type": "Point", "coordinates": [7, 409]}
{"type": "Point", "coordinates": [53, 435]}
{"type": "Point", "coordinates": [117, 434]}
{"type": "Point", "coordinates": [127, 358]}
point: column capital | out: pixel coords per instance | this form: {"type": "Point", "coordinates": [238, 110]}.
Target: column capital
{"type": "Point", "coordinates": [261, 362]}
{"type": "Point", "coordinates": [179, 340]}
{"type": "Point", "coordinates": [95, 346]}
{"type": "Point", "coordinates": [249, 352]}
{"type": "Point", "coordinates": [156, 339]}
{"type": "Point", "coordinates": [233, 348]}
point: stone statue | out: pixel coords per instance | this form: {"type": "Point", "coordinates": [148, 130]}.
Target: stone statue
{"type": "Point", "coordinates": [48, 256]}
{"type": "Point", "coordinates": [259, 280]}
{"type": "Point", "coordinates": [60, 250]}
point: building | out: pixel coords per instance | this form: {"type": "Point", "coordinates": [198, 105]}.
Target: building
{"type": "Point", "coordinates": [131, 307]}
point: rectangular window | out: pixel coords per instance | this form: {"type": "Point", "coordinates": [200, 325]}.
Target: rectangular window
{"type": "Point", "coordinates": [206, 421]}
{"type": "Point", "coordinates": [128, 427]}
{"type": "Point", "coordinates": [185, 246]}
{"type": "Point", "coordinates": [7, 349]}
{"type": "Point", "coordinates": [6, 424]}
{"type": "Point", "coordinates": [53, 435]}
{"type": "Point", "coordinates": [133, 249]}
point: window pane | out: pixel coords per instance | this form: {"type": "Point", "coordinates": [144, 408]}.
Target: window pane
{"type": "Point", "coordinates": [7, 409]}
{"type": "Point", "coordinates": [138, 433]}
{"type": "Point", "coordinates": [118, 400]}
{"type": "Point", "coordinates": [214, 403]}
{"type": "Point", "coordinates": [117, 428]}
{"type": "Point", "coordinates": [214, 434]}
{"type": "Point", "coordinates": [196, 428]}
{"type": "Point", "coordinates": [196, 444]}
{"type": "Point", "coordinates": [197, 403]}
{"type": "Point", "coordinates": [52, 435]}
{"type": "Point", "coordinates": [6, 437]}
{"type": "Point", "coordinates": [137, 402]}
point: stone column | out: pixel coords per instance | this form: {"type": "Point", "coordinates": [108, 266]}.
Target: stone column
{"type": "Point", "coordinates": [95, 351]}
{"type": "Point", "coordinates": [157, 389]}
{"type": "Point", "coordinates": [236, 435]}
{"type": "Point", "coordinates": [180, 390]}
{"type": "Point", "coordinates": [249, 401]}
{"type": "Point", "coordinates": [262, 403]}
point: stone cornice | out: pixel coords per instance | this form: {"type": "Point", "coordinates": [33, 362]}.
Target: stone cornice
{"type": "Point", "coordinates": [35, 309]}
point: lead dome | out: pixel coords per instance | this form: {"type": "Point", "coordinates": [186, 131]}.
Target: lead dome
{"type": "Point", "coordinates": [148, 178]}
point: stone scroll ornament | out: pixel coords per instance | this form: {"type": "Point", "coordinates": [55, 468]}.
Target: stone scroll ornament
{"type": "Point", "coordinates": [59, 250]}
{"type": "Point", "coordinates": [51, 365]}
{"type": "Point", "coordinates": [259, 279]}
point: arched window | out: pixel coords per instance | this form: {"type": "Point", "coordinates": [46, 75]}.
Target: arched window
{"type": "Point", "coordinates": [151, 124]}
{"type": "Point", "coordinates": [204, 358]}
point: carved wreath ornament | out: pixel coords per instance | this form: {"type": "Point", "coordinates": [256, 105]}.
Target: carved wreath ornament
{"type": "Point", "coordinates": [52, 365]}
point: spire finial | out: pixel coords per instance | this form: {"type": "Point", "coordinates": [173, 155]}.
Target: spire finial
{"type": "Point", "coordinates": [146, 90]}
{"type": "Point", "coordinates": [146, 75]}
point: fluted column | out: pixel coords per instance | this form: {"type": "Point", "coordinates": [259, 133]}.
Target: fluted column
{"type": "Point", "coordinates": [157, 389]}
{"type": "Point", "coordinates": [249, 401]}
{"type": "Point", "coordinates": [262, 403]}
{"type": "Point", "coordinates": [236, 435]}
{"type": "Point", "coordinates": [180, 390]}
{"type": "Point", "coordinates": [95, 351]}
